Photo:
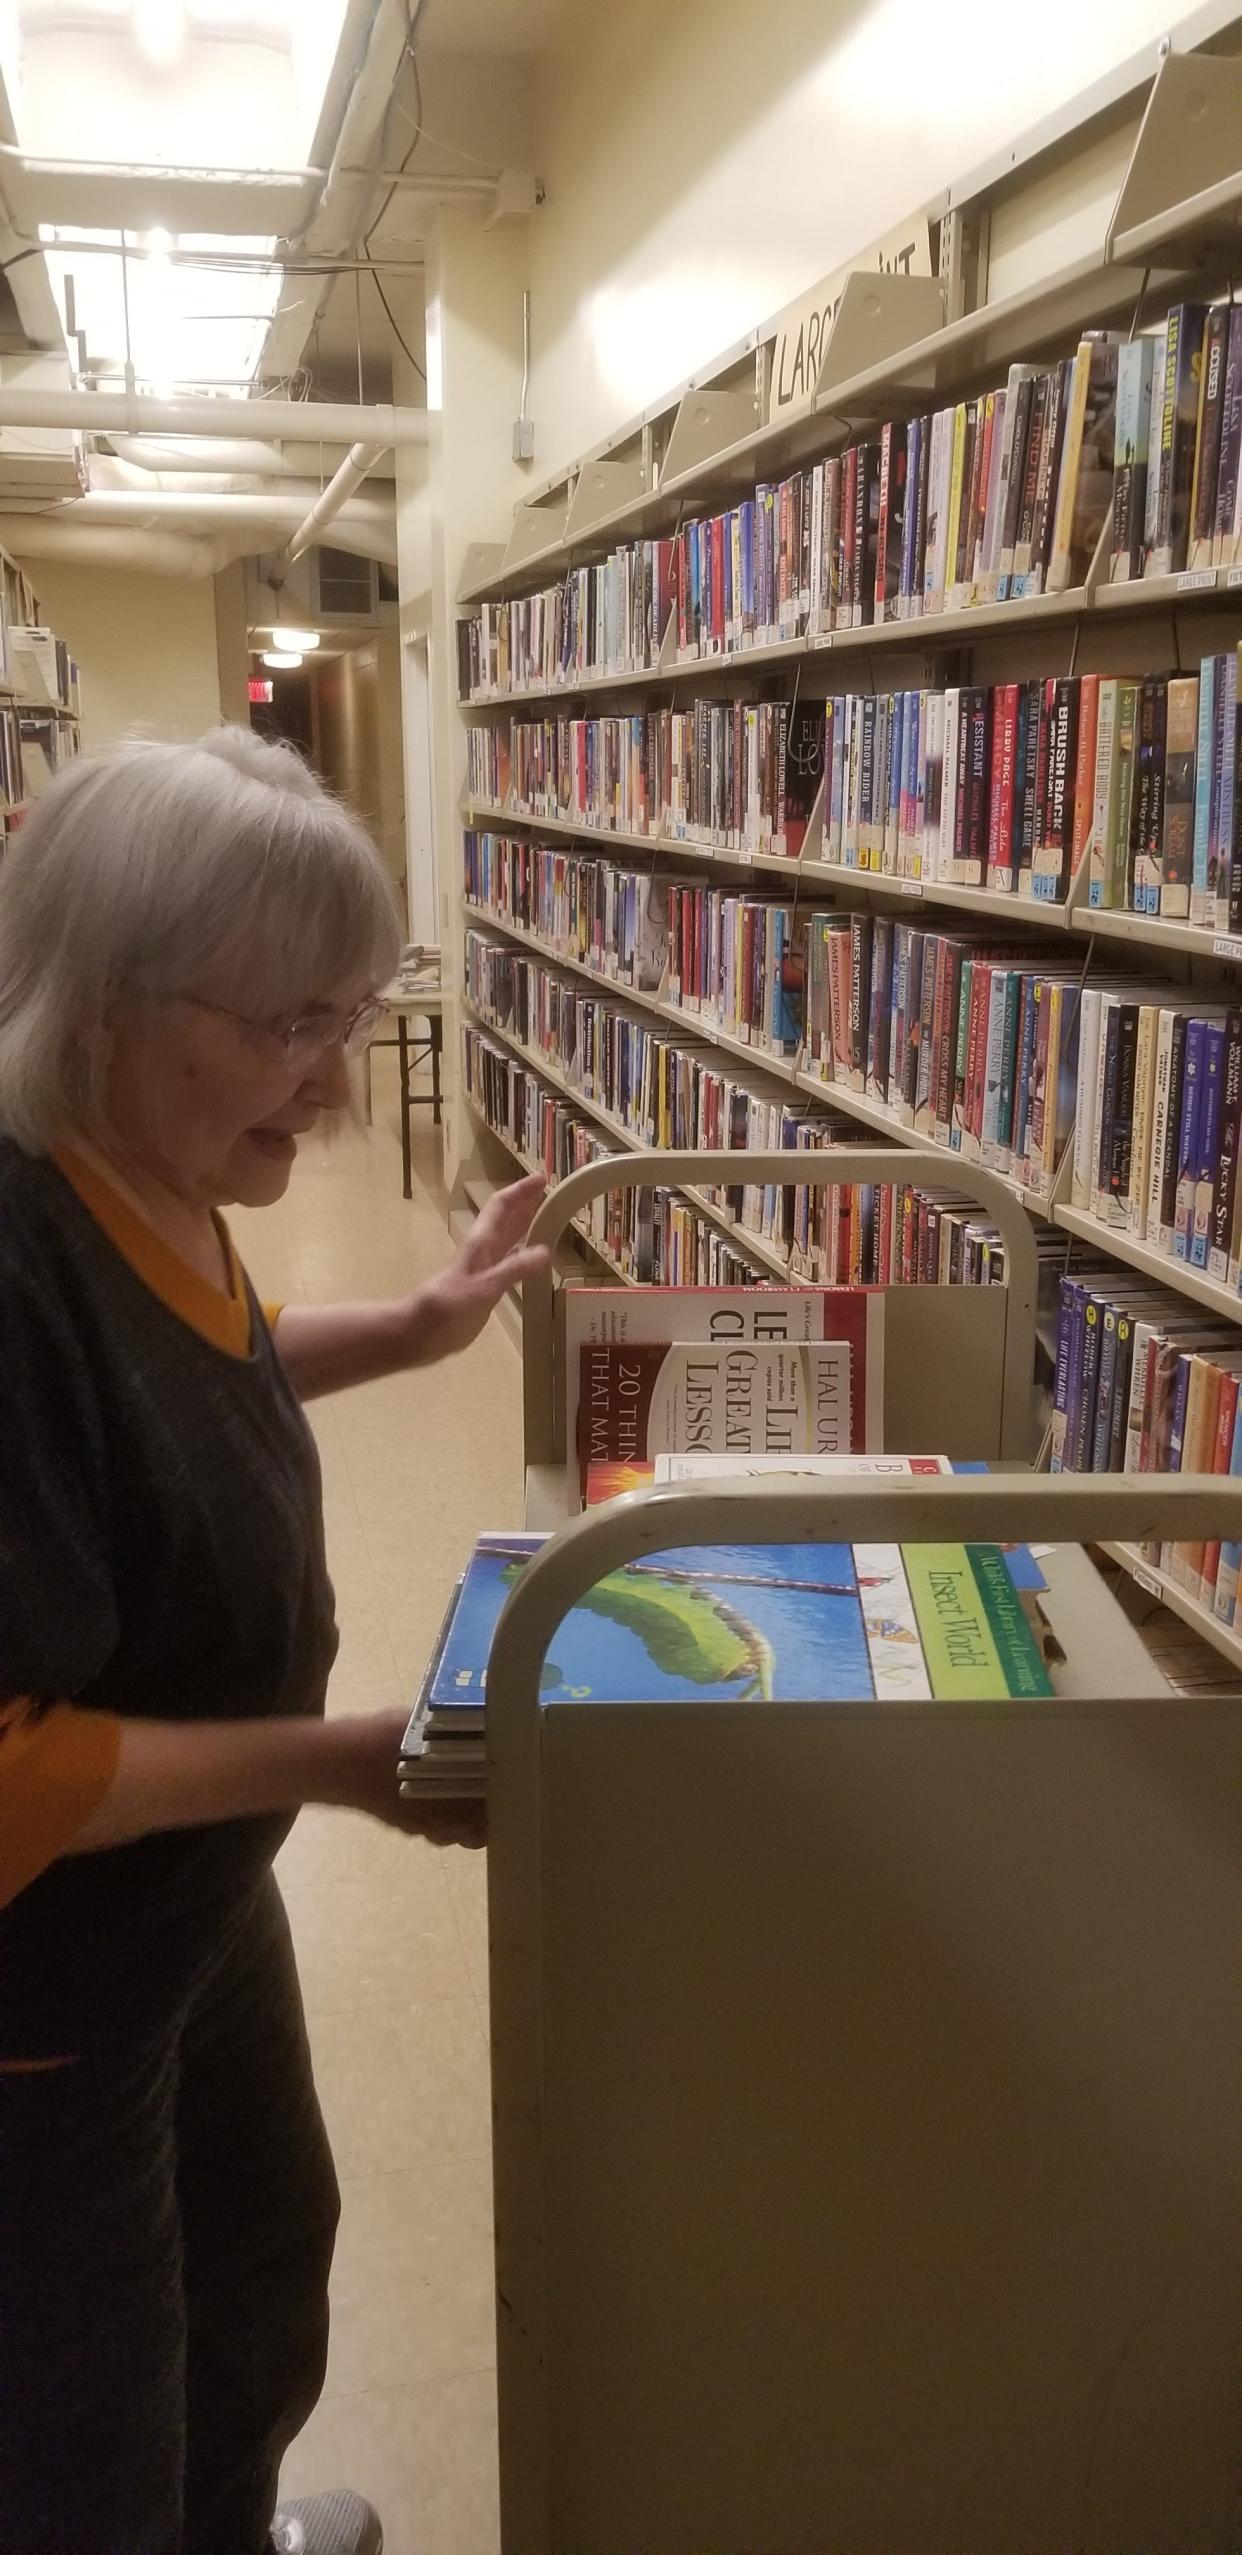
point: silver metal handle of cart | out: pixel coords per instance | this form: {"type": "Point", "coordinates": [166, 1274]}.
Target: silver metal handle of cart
{"type": "Point", "coordinates": [877, 1166]}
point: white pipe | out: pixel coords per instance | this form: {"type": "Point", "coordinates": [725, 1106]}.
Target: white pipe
{"type": "Point", "coordinates": [304, 421]}
{"type": "Point", "coordinates": [261, 524]}
{"type": "Point", "coordinates": [331, 508]}
{"type": "Point", "coordinates": [161, 554]}
{"type": "Point", "coordinates": [219, 454]}
{"type": "Point", "coordinates": [276, 501]}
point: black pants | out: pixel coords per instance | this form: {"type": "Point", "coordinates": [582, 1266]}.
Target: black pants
{"type": "Point", "coordinates": [167, 2215]}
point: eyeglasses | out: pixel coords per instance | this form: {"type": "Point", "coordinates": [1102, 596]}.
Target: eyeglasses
{"type": "Point", "coordinates": [302, 1041]}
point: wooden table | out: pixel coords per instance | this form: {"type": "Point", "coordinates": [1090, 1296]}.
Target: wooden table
{"type": "Point", "coordinates": [402, 1004]}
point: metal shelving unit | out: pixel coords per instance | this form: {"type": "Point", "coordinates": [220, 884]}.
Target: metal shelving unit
{"type": "Point", "coordinates": [712, 439]}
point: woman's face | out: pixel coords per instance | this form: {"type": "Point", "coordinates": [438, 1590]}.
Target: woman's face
{"type": "Point", "coordinates": [206, 1096]}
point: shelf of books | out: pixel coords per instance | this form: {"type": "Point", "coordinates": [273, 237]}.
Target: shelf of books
{"type": "Point", "coordinates": [39, 699]}
{"type": "Point", "coordinates": [979, 888]}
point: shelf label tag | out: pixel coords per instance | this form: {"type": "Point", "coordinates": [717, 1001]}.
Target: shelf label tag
{"type": "Point", "coordinates": [1196, 580]}
{"type": "Point", "coordinates": [1225, 947]}
{"type": "Point", "coordinates": [1143, 1579]}
{"type": "Point", "coordinates": [910, 886]}
{"type": "Point", "coordinates": [1234, 577]}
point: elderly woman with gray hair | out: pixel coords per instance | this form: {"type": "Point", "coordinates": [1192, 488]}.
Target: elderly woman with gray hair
{"type": "Point", "coordinates": [191, 939]}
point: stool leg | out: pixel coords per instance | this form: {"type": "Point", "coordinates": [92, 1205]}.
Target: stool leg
{"type": "Point", "coordinates": [403, 1057]}
{"type": "Point", "coordinates": [366, 1084]}
{"type": "Point", "coordinates": [436, 1044]}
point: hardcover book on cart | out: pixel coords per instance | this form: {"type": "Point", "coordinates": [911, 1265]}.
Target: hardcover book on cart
{"type": "Point", "coordinates": [596, 1315]}
{"type": "Point", "coordinates": [641, 1398]}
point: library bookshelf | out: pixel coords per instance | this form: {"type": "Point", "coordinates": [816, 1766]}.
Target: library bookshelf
{"type": "Point", "coordinates": [892, 352]}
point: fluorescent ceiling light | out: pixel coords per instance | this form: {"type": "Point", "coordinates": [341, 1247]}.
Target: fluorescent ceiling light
{"type": "Point", "coordinates": [304, 640]}
{"type": "Point", "coordinates": [191, 322]}
{"type": "Point", "coordinates": [232, 86]}
{"type": "Point", "coordinates": [282, 658]}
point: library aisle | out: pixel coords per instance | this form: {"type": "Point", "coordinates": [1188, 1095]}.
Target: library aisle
{"type": "Point", "coordinates": [390, 1935]}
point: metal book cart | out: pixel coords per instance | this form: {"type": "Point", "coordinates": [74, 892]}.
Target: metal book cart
{"type": "Point", "coordinates": [867, 2082]}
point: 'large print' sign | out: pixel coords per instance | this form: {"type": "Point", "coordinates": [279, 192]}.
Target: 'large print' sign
{"type": "Point", "coordinates": [803, 332]}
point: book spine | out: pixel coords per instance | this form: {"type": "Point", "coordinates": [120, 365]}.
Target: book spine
{"type": "Point", "coordinates": [1141, 1120]}
{"type": "Point", "coordinates": [1085, 1399]}
{"type": "Point", "coordinates": [970, 868]}
{"type": "Point", "coordinates": [1166, 1212]}
{"type": "Point", "coordinates": [1101, 795]}
{"type": "Point", "coordinates": [1097, 1461]}
{"type": "Point", "coordinates": [1225, 1187]}
{"type": "Point", "coordinates": [879, 583]}
{"type": "Point", "coordinates": [1181, 732]}
{"type": "Point", "coordinates": [1004, 765]}
{"type": "Point", "coordinates": [1209, 1146]}
{"type": "Point", "coordinates": [1022, 387]}
{"type": "Point", "coordinates": [994, 1050]}
{"type": "Point", "coordinates": [1106, 1103]}
{"type": "Point", "coordinates": [1084, 770]}
{"type": "Point", "coordinates": [1229, 834]}
{"type": "Point", "coordinates": [989, 545]}
{"type": "Point", "coordinates": [972, 457]}
{"type": "Point", "coordinates": [926, 1055]}
{"type": "Point", "coordinates": [1134, 369]}
{"type": "Point", "coordinates": [919, 550]}
{"type": "Point", "coordinates": [1160, 552]}
{"type": "Point", "coordinates": [1208, 438]}
{"type": "Point", "coordinates": [950, 780]}
{"type": "Point", "coordinates": [1185, 388]}
{"type": "Point", "coordinates": [1205, 740]}
{"type": "Point", "coordinates": [1065, 1316]}
{"type": "Point", "coordinates": [1083, 1188]}
{"type": "Point", "coordinates": [1188, 1136]}
{"type": "Point", "coordinates": [1227, 476]}
{"type": "Point", "coordinates": [957, 470]}
{"type": "Point", "coordinates": [1117, 848]}
{"type": "Point", "coordinates": [1023, 555]}
{"type": "Point", "coordinates": [1062, 541]}
{"type": "Point", "coordinates": [1147, 826]}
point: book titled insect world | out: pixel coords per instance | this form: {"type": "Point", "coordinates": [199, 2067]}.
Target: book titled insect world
{"type": "Point", "coordinates": [765, 1622]}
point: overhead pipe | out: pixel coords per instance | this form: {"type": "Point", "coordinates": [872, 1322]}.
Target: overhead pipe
{"type": "Point", "coordinates": [261, 523]}
{"type": "Point", "coordinates": [240, 457]}
{"type": "Point", "coordinates": [332, 230]}
{"type": "Point", "coordinates": [283, 501]}
{"type": "Point", "coordinates": [302, 421]}
{"type": "Point", "coordinates": [160, 554]}
{"type": "Point", "coordinates": [329, 509]}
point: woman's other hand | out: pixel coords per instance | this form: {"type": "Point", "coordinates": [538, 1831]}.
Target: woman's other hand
{"type": "Point", "coordinates": [365, 1749]}
{"type": "Point", "coordinates": [452, 1309]}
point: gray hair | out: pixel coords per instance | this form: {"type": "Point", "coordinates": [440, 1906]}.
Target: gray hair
{"type": "Point", "coordinates": [141, 867]}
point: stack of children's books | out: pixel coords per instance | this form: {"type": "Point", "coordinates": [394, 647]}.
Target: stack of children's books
{"type": "Point", "coordinates": [764, 1623]}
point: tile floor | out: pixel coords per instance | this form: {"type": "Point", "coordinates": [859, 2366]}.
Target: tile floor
{"type": "Point", "coordinates": [391, 1936]}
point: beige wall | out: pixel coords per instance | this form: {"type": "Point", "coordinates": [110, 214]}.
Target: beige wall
{"type": "Point", "coordinates": [700, 174]}
{"type": "Point", "coordinates": [146, 647]}
{"type": "Point", "coordinates": [358, 721]}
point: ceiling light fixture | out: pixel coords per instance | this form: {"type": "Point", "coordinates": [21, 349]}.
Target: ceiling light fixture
{"type": "Point", "coordinates": [304, 640]}
{"type": "Point", "coordinates": [282, 660]}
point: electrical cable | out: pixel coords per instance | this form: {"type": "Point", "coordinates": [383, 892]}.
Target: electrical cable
{"type": "Point", "coordinates": [407, 351]}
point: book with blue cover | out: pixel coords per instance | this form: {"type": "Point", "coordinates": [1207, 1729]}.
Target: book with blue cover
{"type": "Point", "coordinates": [774, 1623]}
